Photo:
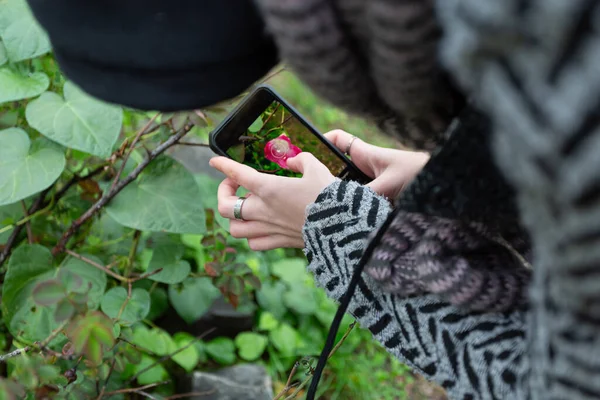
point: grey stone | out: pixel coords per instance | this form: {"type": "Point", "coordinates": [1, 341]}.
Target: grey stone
{"type": "Point", "coordinates": [240, 382]}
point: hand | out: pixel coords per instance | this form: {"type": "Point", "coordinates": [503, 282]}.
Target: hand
{"type": "Point", "coordinates": [274, 212]}
{"type": "Point", "coordinates": [391, 169]}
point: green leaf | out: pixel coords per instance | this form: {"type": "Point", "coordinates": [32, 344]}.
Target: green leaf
{"type": "Point", "coordinates": [153, 375]}
{"type": "Point", "coordinates": [64, 311]}
{"type": "Point", "coordinates": [25, 169]}
{"type": "Point", "coordinates": [285, 339]}
{"type": "Point", "coordinates": [188, 358]}
{"type": "Point", "coordinates": [154, 340]}
{"type": "Point", "coordinates": [48, 292]}
{"type": "Point", "coordinates": [173, 273]}
{"type": "Point", "coordinates": [92, 335]}
{"type": "Point", "coordinates": [28, 265]}
{"type": "Point", "coordinates": [21, 33]}
{"type": "Point", "coordinates": [167, 255]}
{"type": "Point", "coordinates": [136, 308]}
{"type": "Point", "coordinates": [193, 297]}
{"type": "Point", "coordinates": [267, 321]}
{"type": "Point", "coordinates": [269, 297]}
{"type": "Point", "coordinates": [256, 125]}
{"type": "Point", "coordinates": [301, 299]}
{"type": "Point", "coordinates": [18, 87]}
{"type": "Point", "coordinates": [93, 280]}
{"type": "Point", "coordinates": [165, 198]}
{"type": "Point", "coordinates": [3, 55]}
{"type": "Point", "coordinates": [222, 350]}
{"type": "Point", "coordinates": [78, 121]}
{"type": "Point", "coordinates": [250, 345]}
{"type": "Point", "coordinates": [290, 270]}
{"type": "Point", "coordinates": [9, 214]}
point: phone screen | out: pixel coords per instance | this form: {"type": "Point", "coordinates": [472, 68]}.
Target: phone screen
{"type": "Point", "coordinates": [276, 135]}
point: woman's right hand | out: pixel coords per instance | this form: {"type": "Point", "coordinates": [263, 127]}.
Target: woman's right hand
{"type": "Point", "coordinates": [390, 169]}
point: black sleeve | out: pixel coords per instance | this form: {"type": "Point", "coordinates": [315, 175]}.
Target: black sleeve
{"type": "Point", "coordinates": [158, 54]}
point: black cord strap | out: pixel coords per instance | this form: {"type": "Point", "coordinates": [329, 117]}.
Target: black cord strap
{"type": "Point", "coordinates": [344, 303]}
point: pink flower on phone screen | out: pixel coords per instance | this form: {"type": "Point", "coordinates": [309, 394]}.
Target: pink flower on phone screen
{"type": "Point", "coordinates": [278, 150]}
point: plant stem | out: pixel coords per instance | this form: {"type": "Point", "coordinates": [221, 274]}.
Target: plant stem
{"type": "Point", "coordinates": [331, 353]}
{"type": "Point", "coordinates": [131, 148]}
{"type": "Point", "coordinates": [27, 224]}
{"type": "Point", "coordinates": [95, 264]}
{"type": "Point", "coordinates": [60, 246]}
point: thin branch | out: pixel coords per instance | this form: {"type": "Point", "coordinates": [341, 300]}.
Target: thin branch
{"type": "Point", "coordinates": [95, 264]}
{"type": "Point", "coordinates": [131, 148]}
{"type": "Point", "coordinates": [14, 353]}
{"type": "Point", "coordinates": [280, 70]}
{"type": "Point", "coordinates": [60, 246]}
{"type": "Point", "coordinates": [12, 240]}
{"type": "Point", "coordinates": [193, 144]}
{"type": "Point", "coordinates": [190, 394]}
{"type": "Point", "coordinates": [145, 394]}
{"type": "Point", "coordinates": [137, 389]}
{"type": "Point", "coordinates": [146, 275]}
{"type": "Point", "coordinates": [27, 224]}
{"type": "Point", "coordinates": [110, 371]}
{"type": "Point", "coordinates": [132, 252]}
{"type": "Point", "coordinates": [76, 179]}
{"type": "Point", "coordinates": [288, 385]}
{"type": "Point", "coordinates": [40, 206]}
{"type": "Point", "coordinates": [127, 299]}
{"type": "Point", "coordinates": [331, 353]}
{"type": "Point", "coordinates": [169, 356]}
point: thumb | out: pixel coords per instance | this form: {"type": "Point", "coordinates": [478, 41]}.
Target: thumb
{"type": "Point", "coordinates": [304, 163]}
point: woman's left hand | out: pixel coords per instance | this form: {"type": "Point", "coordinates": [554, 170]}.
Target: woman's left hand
{"type": "Point", "coordinates": [274, 211]}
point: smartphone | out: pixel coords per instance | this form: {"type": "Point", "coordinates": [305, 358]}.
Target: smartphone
{"type": "Point", "coordinates": [263, 131]}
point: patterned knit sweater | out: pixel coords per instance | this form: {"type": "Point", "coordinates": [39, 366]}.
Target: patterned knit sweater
{"type": "Point", "coordinates": [533, 67]}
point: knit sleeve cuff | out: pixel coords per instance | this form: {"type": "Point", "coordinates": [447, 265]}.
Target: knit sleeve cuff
{"type": "Point", "coordinates": [338, 225]}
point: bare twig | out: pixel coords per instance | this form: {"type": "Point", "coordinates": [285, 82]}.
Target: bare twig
{"type": "Point", "coordinates": [76, 179]}
{"type": "Point", "coordinates": [39, 205]}
{"type": "Point", "coordinates": [108, 196]}
{"type": "Point", "coordinates": [288, 385]}
{"type": "Point", "coordinates": [193, 144]}
{"type": "Point", "coordinates": [110, 371]}
{"type": "Point", "coordinates": [27, 224]}
{"type": "Point", "coordinates": [504, 243]}
{"type": "Point", "coordinates": [126, 300]}
{"type": "Point", "coordinates": [146, 275]}
{"type": "Point", "coordinates": [190, 394]}
{"type": "Point", "coordinates": [95, 264]}
{"type": "Point", "coordinates": [14, 353]}
{"type": "Point", "coordinates": [135, 390]}
{"type": "Point", "coordinates": [131, 148]}
{"type": "Point", "coordinates": [331, 353]}
{"type": "Point", "coordinates": [169, 356]}
{"type": "Point", "coordinates": [12, 240]}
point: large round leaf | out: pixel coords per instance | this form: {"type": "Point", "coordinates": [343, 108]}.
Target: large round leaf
{"type": "Point", "coordinates": [250, 345]}
{"type": "Point", "coordinates": [193, 298]}
{"type": "Point", "coordinates": [135, 310]}
{"type": "Point", "coordinates": [78, 121]}
{"type": "Point", "coordinates": [16, 86]}
{"type": "Point", "coordinates": [28, 265]}
{"type": "Point", "coordinates": [165, 198]}
{"type": "Point", "coordinates": [26, 168]}
{"type": "Point", "coordinates": [22, 35]}
{"type": "Point", "coordinates": [90, 280]}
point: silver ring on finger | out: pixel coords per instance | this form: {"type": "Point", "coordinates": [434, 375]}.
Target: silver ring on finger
{"type": "Point", "coordinates": [347, 152]}
{"type": "Point", "coordinates": [237, 208]}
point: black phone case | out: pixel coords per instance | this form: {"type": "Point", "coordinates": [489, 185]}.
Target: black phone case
{"type": "Point", "coordinates": [353, 172]}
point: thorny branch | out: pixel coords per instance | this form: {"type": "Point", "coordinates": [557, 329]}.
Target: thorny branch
{"type": "Point", "coordinates": [108, 196]}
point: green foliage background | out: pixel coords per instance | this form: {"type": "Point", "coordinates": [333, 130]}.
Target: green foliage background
{"type": "Point", "coordinates": [102, 235]}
